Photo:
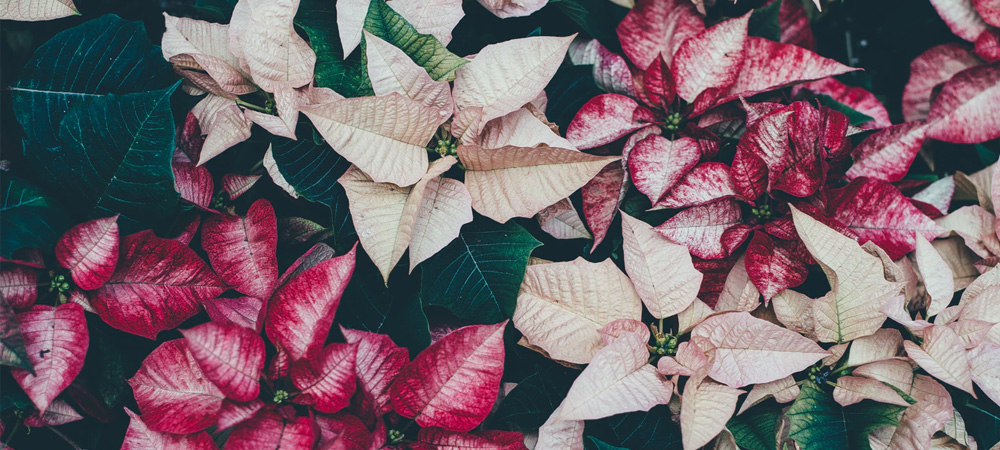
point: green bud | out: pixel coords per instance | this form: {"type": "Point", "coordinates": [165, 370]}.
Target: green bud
{"type": "Point", "coordinates": [395, 437]}
{"type": "Point", "coordinates": [280, 396]}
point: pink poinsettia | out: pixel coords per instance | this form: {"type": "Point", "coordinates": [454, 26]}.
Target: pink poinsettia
{"type": "Point", "coordinates": [222, 376]}
{"type": "Point", "coordinates": [675, 70]}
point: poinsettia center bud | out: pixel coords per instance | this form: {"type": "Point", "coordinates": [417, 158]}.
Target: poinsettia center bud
{"type": "Point", "coordinates": [280, 396]}
{"type": "Point", "coordinates": [444, 143]}
{"type": "Point", "coordinates": [673, 122]}
{"type": "Point", "coordinates": [219, 199]}
{"type": "Point", "coordinates": [664, 344]}
{"type": "Point", "coordinates": [762, 212]}
{"type": "Point", "coordinates": [819, 374]}
{"type": "Point", "coordinates": [395, 437]}
{"type": "Point", "coordinates": [59, 284]}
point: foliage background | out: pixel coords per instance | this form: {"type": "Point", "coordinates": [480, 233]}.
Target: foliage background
{"type": "Point", "coordinates": [881, 36]}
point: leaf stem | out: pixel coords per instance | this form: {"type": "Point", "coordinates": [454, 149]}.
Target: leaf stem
{"type": "Point", "coordinates": [252, 106]}
{"type": "Point", "coordinates": [13, 431]}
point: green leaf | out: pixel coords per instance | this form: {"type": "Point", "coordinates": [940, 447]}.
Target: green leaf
{"type": "Point", "coordinates": [28, 218]}
{"type": "Point", "coordinates": [599, 18]}
{"type": "Point", "coordinates": [530, 404]}
{"type": "Point", "coordinates": [318, 18]}
{"type": "Point", "coordinates": [983, 420]}
{"type": "Point", "coordinates": [653, 430]}
{"type": "Point", "coordinates": [12, 350]}
{"type": "Point", "coordinates": [478, 275]}
{"type": "Point", "coordinates": [764, 22]}
{"type": "Point", "coordinates": [423, 49]}
{"type": "Point", "coordinates": [218, 10]}
{"type": "Point", "coordinates": [106, 55]}
{"type": "Point", "coordinates": [115, 158]}
{"type": "Point", "coordinates": [819, 422]}
{"type": "Point", "coordinates": [312, 167]}
{"type": "Point", "coordinates": [95, 106]}
{"type": "Point", "coordinates": [757, 428]}
{"type": "Point", "coordinates": [368, 304]}
{"type": "Point", "coordinates": [597, 444]}
{"type": "Point", "coordinates": [855, 117]}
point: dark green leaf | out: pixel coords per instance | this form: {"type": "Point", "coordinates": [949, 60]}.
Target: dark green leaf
{"type": "Point", "coordinates": [570, 88]}
{"type": "Point", "coordinates": [368, 304]}
{"type": "Point", "coordinates": [856, 118]}
{"type": "Point", "coordinates": [12, 350]}
{"type": "Point", "coordinates": [534, 399]}
{"type": "Point", "coordinates": [424, 49]}
{"type": "Point", "coordinates": [764, 22]}
{"type": "Point", "coordinates": [318, 18]}
{"type": "Point", "coordinates": [983, 421]}
{"type": "Point", "coordinates": [597, 444]}
{"type": "Point", "coordinates": [106, 55]}
{"type": "Point", "coordinates": [478, 275]}
{"type": "Point", "coordinates": [219, 10]}
{"type": "Point", "coordinates": [115, 158]}
{"type": "Point", "coordinates": [311, 168]}
{"type": "Point", "coordinates": [757, 428]}
{"type": "Point", "coordinates": [653, 430]}
{"type": "Point", "coordinates": [599, 18]}
{"type": "Point", "coordinates": [95, 106]}
{"type": "Point", "coordinates": [28, 218]}
{"type": "Point", "coordinates": [819, 422]}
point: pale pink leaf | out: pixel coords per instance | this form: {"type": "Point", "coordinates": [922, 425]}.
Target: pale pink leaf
{"type": "Point", "coordinates": [617, 380]}
{"type": "Point", "coordinates": [943, 356]}
{"type": "Point", "coordinates": [937, 276]}
{"type": "Point", "coordinates": [656, 164]}
{"type": "Point", "coordinates": [939, 194]}
{"type": "Point", "coordinates": [736, 342]}
{"type": "Point", "coordinates": [350, 22]}
{"type": "Point", "coordinates": [562, 221]}
{"type": "Point", "coordinates": [505, 76]}
{"type": "Point", "coordinates": [520, 181]}
{"type": "Point", "coordinates": [782, 391]}
{"type": "Point", "coordinates": [512, 8]}
{"type": "Point", "coordinates": [985, 368]}
{"type": "Point", "coordinates": [383, 136]}
{"type": "Point", "coordinates": [391, 70]}
{"type": "Point", "coordinates": [851, 390]}
{"type": "Point", "coordinates": [561, 306]}
{"type": "Point", "coordinates": [661, 271]}
{"type": "Point", "coordinates": [236, 185]}
{"type": "Point", "coordinates": [223, 125]}
{"type": "Point", "coordinates": [37, 10]}
{"type": "Point", "coordinates": [521, 128]}
{"type": "Point", "coordinates": [277, 57]}
{"type": "Point", "coordinates": [739, 293]}
{"type": "Point", "coordinates": [706, 406]}
{"type": "Point", "coordinates": [883, 344]}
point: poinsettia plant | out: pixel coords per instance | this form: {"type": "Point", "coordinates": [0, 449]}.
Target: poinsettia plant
{"type": "Point", "coordinates": [500, 224]}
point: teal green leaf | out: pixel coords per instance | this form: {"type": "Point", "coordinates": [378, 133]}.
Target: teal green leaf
{"type": "Point", "coordinates": [217, 10]}
{"type": "Point", "coordinates": [820, 423]}
{"type": "Point", "coordinates": [478, 275]}
{"type": "Point", "coordinates": [599, 18]}
{"type": "Point", "coordinates": [12, 348]}
{"type": "Point", "coordinates": [94, 103]}
{"type": "Point", "coordinates": [318, 18]}
{"type": "Point", "coordinates": [653, 430]}
{"type": "Point", "coordinates": [28, 218]}
{"type": "Point", "coordinates": [115, 158]}
{"type": "Point", "coordinates": [982, 418]}
{"type": "Point", "coordinates": [107, 55]}
{"type": "Point", "coordinates": [533, 400]}
{"type": "Point", "coordinates": [423, 49]}
{"type": "Point", "coordinates": [757, 428]}
{"type": "Point", "coordinates": [593, 443]}
{"type": "Point", "coordinates": [764, 22]}
{"type": "Point", "coordinates": [856, 117]}
{"type": "Point", "coordinates": [310, 165]}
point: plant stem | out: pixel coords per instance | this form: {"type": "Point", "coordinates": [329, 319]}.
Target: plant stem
{"type": "Point", "coordinates": [252, 106]}
{"type": "Point", "coordinates": [10, 437]}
